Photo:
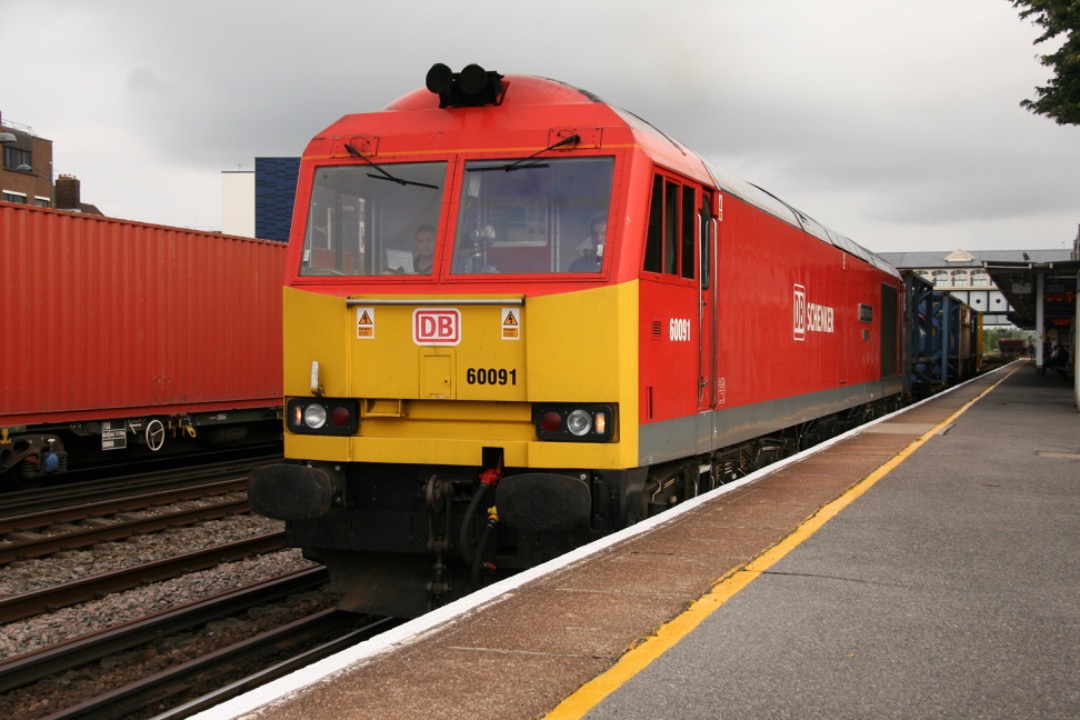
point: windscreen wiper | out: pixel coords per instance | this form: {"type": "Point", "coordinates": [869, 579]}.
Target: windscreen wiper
{"type": "Point", "coordinates": [384, 175]}
{"type": "Point", "coordinates": [524, 162]}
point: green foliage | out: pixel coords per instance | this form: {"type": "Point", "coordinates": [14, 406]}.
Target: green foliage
{"type": "Point", "coordinates": [1060, 99]}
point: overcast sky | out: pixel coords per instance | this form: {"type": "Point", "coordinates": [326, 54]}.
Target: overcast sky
{"type": "Point", "coordinates": [895, 122]}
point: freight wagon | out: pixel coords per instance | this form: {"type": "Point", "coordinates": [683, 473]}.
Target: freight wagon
{"type": "Point", "coordinates": [944, 338]}
{"type": "Point", "coordinates": [1012, 348]}
{"type": "Point", "coordinates": [122, 338]}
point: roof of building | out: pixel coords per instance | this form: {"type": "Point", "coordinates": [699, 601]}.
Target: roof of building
{"type": "Point", "coordinates": [1013, 272]}
{"type": "Point", "coordinates": [972, 258]}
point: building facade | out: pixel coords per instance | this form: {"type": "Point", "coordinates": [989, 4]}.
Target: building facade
{"type": "Point", "coordinates": [260, 204]}
{"type": "Point", "coordinates": [26, 174]}
{"type": "Point", "coordinates": [963, 275]}
{"type": "Point", "coordinates": [275, 193]}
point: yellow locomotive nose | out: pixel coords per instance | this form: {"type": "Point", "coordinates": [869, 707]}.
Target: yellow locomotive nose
{"type": "Point", "coordinates": [418, 380]}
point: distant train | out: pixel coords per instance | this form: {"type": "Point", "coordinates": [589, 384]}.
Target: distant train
{"type": "Point", "coordinates": [124, 339]}
{"type": "Point", "coordinates": [518, 318]}
{"type": "Point", "coordinates": [1012, 347]}
{"type": "Point", "coordinates": [943, 338]}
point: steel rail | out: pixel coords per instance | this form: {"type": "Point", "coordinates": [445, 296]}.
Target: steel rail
{"type": "Point", "coordinates": [33, 603]}
{"type": "Point", "coordinates": [27, 668]}
{"type": "Point", "coordinates": [159, 689]}
{"type": "Point", "coordinates": [87, 537]}
{"type": "Point", "coordinates": [62, 495]}
{"type": "Point", "coordinates": [44, 518]}
{"type": "Point", "coordinates": [285, 667]}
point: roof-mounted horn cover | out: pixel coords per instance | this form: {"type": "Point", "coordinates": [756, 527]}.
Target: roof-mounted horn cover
{"type": "Point", "coordinates": [472, 87]}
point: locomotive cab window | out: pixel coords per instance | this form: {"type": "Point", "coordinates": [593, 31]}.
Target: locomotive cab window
{"type": "Point", "coordinates": [365, 222]}
{"type": "Point", "coordinates": [673, 222]}
{"type": "Point", "coordinates": [705, 225]}
{"type": "Point", "coordinates": [538, 217]}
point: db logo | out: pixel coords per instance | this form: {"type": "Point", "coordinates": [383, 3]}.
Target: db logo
{"type": "Point", "coordinates": [437, 327]}
{"type": "Point", "coordinates": [798, 313]}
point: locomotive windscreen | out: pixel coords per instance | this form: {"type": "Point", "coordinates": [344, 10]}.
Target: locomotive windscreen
{"type": "Point", "coordinates": [364, 222]}
{"type": "Point", "coordinates": [538, 217]}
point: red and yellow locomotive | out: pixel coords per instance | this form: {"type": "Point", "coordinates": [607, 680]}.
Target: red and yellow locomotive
{"type": "Point", "coordinates": [603, 325]}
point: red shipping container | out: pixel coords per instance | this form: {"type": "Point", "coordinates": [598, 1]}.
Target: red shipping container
{"type": "Point", "coordinates": [107, 318]}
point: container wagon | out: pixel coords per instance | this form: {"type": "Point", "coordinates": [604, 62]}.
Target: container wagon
{"type": "Point", "coordinates": [122, 338]}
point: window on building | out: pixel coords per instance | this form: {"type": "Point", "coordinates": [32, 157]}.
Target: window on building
{"type": "Point", "coordinates": [15, 157]}
{"type": "Point", "coordinates": [959, 278]}
{"type": "Point", "coordinates": [941, 278]}
{"type": "Point", "coordinates": [42, 201]}
{"type": "Point", "coordinates": [980, 278]}
{"type": "Point", "coordinates": [14, 197]}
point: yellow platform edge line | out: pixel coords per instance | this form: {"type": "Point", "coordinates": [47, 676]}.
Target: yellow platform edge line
{"type": "Point", "coordinates": [668, 635]}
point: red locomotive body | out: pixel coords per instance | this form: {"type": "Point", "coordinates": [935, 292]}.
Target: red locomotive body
{"type": "Point", "coordinates": [608, 324]}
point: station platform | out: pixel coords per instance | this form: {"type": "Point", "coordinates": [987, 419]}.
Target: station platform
{"type": "Point", "coordinates": [924, 566]}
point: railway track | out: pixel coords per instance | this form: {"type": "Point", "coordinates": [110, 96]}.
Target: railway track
{"type": "Point", "coordinates": [81, 538]}
{"type": "Point", "coordinates": [42, 526]}
{"type": "Point", "coordinates": [27, 502]}
{"type": "Point", "coordinates": [33, 520]}
{"type": "Point", "coordinates": [27, 604]}
{"type": "Point", "coordinates": [28, 668]}
{"type": "Point", "coordinates": [223, 667]}
{"type": "Point", "coordinates": [196, 685]}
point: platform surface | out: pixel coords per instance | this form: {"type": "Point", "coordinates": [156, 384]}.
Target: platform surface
{"type": "Point", "coordinates": [927, 566]}
{"type": "Point", "coordinates": [950, 589]}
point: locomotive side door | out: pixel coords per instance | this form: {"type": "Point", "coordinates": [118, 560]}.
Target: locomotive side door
{"type": "Point", "coordinates": [707, 302]}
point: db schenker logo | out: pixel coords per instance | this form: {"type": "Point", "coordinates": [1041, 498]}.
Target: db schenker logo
{"type": "Point", "coordinates": [809, 317]}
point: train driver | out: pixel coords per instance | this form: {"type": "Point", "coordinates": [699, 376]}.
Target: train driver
{"type": "Point", "coordinates": [592, 249]}
{"type": "Point", "coordinates": [424, 250]}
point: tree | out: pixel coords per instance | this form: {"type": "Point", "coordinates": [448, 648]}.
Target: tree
{"type": "Point", "coordinates": [1060, 99]}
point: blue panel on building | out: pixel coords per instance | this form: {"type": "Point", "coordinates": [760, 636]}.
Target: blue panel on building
{"type": "Point", "coordinates": [275, 192]}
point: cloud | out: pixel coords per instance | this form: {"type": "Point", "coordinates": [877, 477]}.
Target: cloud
{"type": "Point", "coordinates": [885, 117]}
{"type": "Point", "coordinates": [142, 81]}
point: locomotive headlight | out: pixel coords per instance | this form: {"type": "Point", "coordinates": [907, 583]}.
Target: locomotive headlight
{"type": "Point", "coordinates": [314, 416]}
{"type": "Point", "coordinates": [567, 422]}
{"type": "Point", "coordinates": [325, 416]}
{"type": "Point", "coordinates": [579, 422]}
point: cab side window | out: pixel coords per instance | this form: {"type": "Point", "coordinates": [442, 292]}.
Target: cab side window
{"type": "Point", "coordinates": [672, 237]}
